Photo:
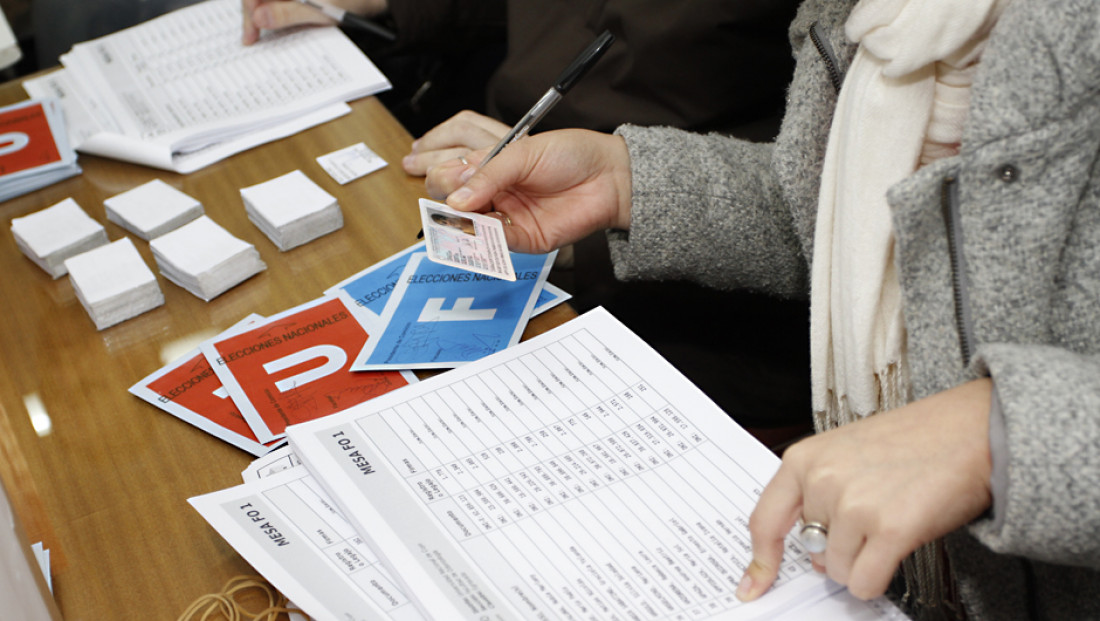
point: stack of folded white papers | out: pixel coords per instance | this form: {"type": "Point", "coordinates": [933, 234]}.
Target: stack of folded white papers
{"type": "Point", "coordinates": [114, 283]}
{"type": "Point", "coordinates": [152, 209]}
{"type": "Point", "coordinates": [54, 234]}
{"type": "Point", "coordinates": [205, 259]}
{"type": "Point", "coordinates": [292, 210]}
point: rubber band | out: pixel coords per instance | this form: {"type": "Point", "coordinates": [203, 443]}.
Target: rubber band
{"type": "Point", "coordinates": [224, 605]}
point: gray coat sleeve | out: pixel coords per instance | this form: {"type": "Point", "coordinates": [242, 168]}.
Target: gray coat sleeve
{"type": "Point", "coordinates": [707, 208]}
{"type": "Point", "coordinates": [1050, 400]}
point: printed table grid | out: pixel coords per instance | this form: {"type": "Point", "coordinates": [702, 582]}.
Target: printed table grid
{"type": "Point", "coordinates": [306, 508]}
{"type": "Point", "coordinates": [525, 465]}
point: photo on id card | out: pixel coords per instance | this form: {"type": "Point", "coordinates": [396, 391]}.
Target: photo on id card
{"type": "Point", "coordinates": [468, 241]}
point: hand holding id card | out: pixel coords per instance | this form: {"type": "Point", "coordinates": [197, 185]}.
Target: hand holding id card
{"type": "Point", "coordinates": [468, 241]}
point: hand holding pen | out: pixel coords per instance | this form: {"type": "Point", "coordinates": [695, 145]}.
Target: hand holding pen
{"type": "Point", "coordinates": [570, 76]}
{"type": "Point", "coordinates": [440, 181]}
{"type": "Point", "coordinates": [260, 15]}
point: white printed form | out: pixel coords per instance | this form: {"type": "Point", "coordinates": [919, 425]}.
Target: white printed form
{"type": "Point", "coordinates": [577, 475]}
{"type": "Point", "coordinates": [286, 527]}
{"type": "Point", "coordinates": [186, 80]}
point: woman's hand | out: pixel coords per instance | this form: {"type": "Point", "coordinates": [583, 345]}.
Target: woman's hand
{"type": "Point", "coordinates": [276, 14]}
{"type": "Point", "coordinates": [882, 486]}
{"type": "Point", "coordinates": [456, 137]}
{"type": "Point", "coordinates": [550, 189]}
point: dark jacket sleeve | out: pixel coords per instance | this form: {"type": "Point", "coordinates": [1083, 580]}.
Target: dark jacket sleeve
{"type": "Point", "coordinates": [446, 24]}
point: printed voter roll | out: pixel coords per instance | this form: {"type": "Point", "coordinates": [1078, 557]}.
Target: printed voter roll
{"type": "Point", "coordinates": [296, 366]}
{"type": "Point", "coordinates": [576, 475]}
{"type": "Point", "coordinates": [441, 317]}
{"type": "Point", "coordinates": [188, 389]}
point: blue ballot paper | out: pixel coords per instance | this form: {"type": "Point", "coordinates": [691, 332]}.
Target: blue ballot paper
{"type": "Point", "coordinates": [440, 317]}
{"type": "Point", "coordinates": [371, 288]}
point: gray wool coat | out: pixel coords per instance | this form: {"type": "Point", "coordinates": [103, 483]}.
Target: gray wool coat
{"type": "Point", "coordinates": [998, 250]}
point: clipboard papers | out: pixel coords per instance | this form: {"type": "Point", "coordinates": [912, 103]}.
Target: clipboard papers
{"type": "Point", "coordinates": [180, 91]}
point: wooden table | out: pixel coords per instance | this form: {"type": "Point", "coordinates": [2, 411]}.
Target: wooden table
{"type": "Point", "coordinates": [101, 477]}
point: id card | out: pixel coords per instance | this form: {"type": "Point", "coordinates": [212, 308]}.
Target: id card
{"type": "Point", "coordinates": [468, 241]}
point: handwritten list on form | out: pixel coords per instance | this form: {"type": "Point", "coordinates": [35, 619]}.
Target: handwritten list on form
{"type": "Point", "coordinates": [574, 476]}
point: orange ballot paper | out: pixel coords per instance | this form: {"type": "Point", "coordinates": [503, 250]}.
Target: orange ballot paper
{"type": "Point", "coordinates": [295, 367]}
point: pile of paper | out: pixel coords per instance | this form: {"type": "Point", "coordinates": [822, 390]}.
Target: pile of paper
{"type": "Point", "coordinates": [292, 210]}
{"type": "Point", "coordinates": [36, 150]}
{"type": "Point", "coordinates": [152, 209]}
{"type": "Point", "coordinates": [577, 475]}
{"type": "Point", "coordinates": [113, 283]}
{"type": "Point", "coordinates": [54, 234]}
{"type": "Point", "coordinates": [180, 92]}
{"type": "Point", "coordinates": [205, 259]}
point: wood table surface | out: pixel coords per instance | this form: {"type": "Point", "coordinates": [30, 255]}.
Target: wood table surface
{"type": "Point", "coordinates": [101, 477]}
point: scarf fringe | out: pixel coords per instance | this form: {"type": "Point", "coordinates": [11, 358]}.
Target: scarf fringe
{"type": "Point", "coordinates": [892, 385]}
{"type": "Point", "coordinates": [931, 593]}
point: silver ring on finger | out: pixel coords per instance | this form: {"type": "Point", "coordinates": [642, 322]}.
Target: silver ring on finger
{"type": "Point", "coordinates": [814, 536]}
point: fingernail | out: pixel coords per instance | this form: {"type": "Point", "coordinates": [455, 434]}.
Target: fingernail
{"type": "Point", "coordinates": [461, 195]}
{"type": "Point", "coordinates": [466, 174]}
{"type": "Point", "coordinates": [408, 161]}
{"type": "Point", "coordinates": [415, 144]}
{"type": "Point", "coordinates": [744, 588]}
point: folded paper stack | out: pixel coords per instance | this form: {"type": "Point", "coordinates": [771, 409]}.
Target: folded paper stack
{"type": "Point", "coordinates": [56, 233]}
{"type": "Point", "coordinates": [292, 210]}
{"type": "Point", "coordinates": [205, 259]}
{"type": "Point", "coordinates": [152, 209]}
{"type": "Point", "coordinates": [113, 283]}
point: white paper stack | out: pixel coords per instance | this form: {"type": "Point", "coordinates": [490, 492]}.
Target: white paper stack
{"type": "Point", "coordinates": [114, 283]}
{"type": "Point", "coordinates": [54, 234]}
{"type": "Point", "coordinates": [180, 92]}
{"type": "Point", "coordinates": [292, 210]}
{"type": "Point", "coordinates": [205, 259]}
{"type": "Point", "coordinates": [152, 209]}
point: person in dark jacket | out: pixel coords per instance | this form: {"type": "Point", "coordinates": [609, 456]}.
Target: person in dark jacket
{"type": "Point", "coordinates": [702, 65]}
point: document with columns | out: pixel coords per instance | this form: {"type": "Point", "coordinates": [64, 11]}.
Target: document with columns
{"type": "Point", "coordinates": [576, 475]}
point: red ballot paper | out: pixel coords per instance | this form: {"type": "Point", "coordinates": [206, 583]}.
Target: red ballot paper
{"type": "Point", "coordinates": [296, 366]}
{"type": "Point", "coordinates": [190, 390]}
{"type": "Point", "coordinates": [26, 140]}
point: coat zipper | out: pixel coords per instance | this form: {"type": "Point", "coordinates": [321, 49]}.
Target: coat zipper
{"type": "Point", "coordinates": [821, 42]}
{"type": "Point", "coordinates": [949, 202]}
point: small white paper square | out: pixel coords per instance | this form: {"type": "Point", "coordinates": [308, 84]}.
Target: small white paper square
{"type": "Point", "coordinates": [350, 163]}
{"type": "Point", "coordinates": [468, 241]}
{"type": "Point", "coordinates": [53, 234]}
{"type": "Point", "coordinates": [283, 200]}
{"type": "Point", "coordinates": [109, 271]}
{"type": "Point", "coordinates": [152, 209]}
{"type": "Point", "coordinates": [198, 246]}
{"type": "Point", "coordinates": [113, 283]}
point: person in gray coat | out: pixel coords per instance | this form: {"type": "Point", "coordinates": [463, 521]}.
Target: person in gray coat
{"type": "Point", "coordinates": [935, 191]}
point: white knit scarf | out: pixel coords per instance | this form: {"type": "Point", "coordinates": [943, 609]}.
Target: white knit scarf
{"type": "Point", "coordinates": [903, 103]}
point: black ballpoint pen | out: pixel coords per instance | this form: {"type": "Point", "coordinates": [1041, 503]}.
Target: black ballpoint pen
{"type": "Point", "coordinates": [566, 80]}
{"type": "Point", "coordinates": [351, 20]}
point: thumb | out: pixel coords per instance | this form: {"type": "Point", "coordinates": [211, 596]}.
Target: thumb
{"type": "Point", "coordinates": [501, 173]}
